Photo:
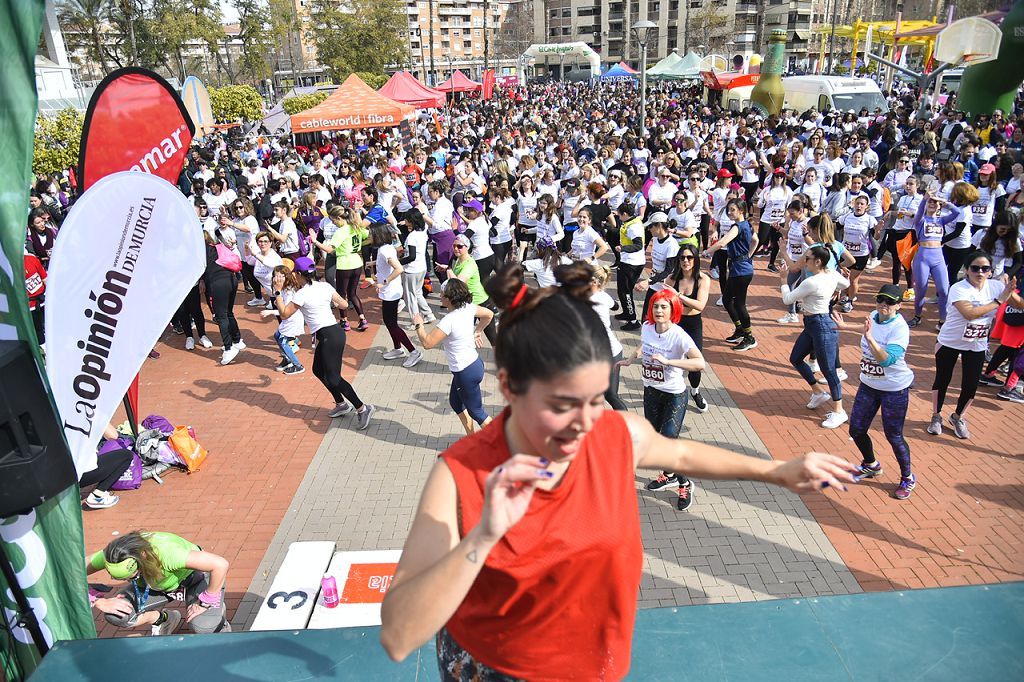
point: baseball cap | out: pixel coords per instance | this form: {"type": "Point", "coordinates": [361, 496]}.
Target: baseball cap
{"type": "Point", "coordinates": [893, 292]}
{"type": "Point", "coordinates": [987, 169]}
{"type": "Point", "coordinates": [474, 205]}
{"type": "Point", "coordinates": [253, 162]}
{"type": "Point", "coordinates": [779, 171]}
{"type": "Point", "coordinates": [304, 264]}
{"type": "Point", "coordinates": [572, 182]}
{"type": "Point", "coordinates": [658, 217]}
{"type": "Point", "coordinates": [724, 173]}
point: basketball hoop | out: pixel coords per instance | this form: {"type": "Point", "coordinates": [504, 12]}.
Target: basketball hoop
{"type": "Point", "coordinates": [968, 41]}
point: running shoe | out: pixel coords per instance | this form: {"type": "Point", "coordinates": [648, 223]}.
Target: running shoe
{"type": "Point", "coordinates": [959, 425]}
{"type": "Point", "coordinates": [788, 318]}
{"type": "Point", "coordinates": [168, 626]}
{"type": "Point", "coordinates": [340, 410]}
{"type": "Point", "coordinates": [401, 305]}
{"type": "Point", "coordinates": [190, 343]}
{"type": "Point", "coordinates": [1014, 396]}
{"type": "Point", "coordinates": [283, 365]}
{"type": "Point", "coordinates": [624, 317]}
{"type": "Point", "coordinates": [990, 380]}
{"type": "Point", "coordinates": [915, 321]}
{"type": "Point", "coordinates": [100, 499]}
{"type": "Point", "coordinates": [345, 326]}
{"type": "Point", "coordinates": [685, 500]}
{"type": "Point", "coordinates": [363, 326]}
{"type": "Point", "coordinates": [905, 487]}
{"type": "Point", "coordinates": [735, 337]}
{"type": "Point", "coordinates": [697, 402]}
{"type": "Point", "coordinates": [841, 374]}
{"type": "Point", "coordinates": [869, 470]}
{"type": "Point", "coordinates": [748, 343]}
{"type": "Point", "coordinates": [846, 306]}
{"type": "Point", "coordinates": [908, 295]}
{"type": "Point", "coordinates": [713, 274]}
{"type": "Point", "coordinates": [255, 303]}
{"type": "Point", "coordinates": [662, 482]}
{"type": "Point", "coordinates": [413, 359]}
{"type": "Point", "coordinates": [229, 355]}
{"type": "Point", "coordinates": [813, 364]}
{"type": "Point", "coordinates": [630, 326]}
{"type": "Point", "coordinates": [240, 345]}
{"type": "Point", "coordinates": [205, 342]}
{"type": "Point", "coordinates": [294, 369]}
{"type": "Point", "coordinates": [935, 427]}
{"type": "Point", "coordinates": [719, 302]}
{"type": "Point", "coordinates": [772, 267]}
{"type": "Point", "coordinates": [177, 329]}
{"type": "Point", "coordinates": [394, 354]}
{"type": "Point", "coordinates": [817, 400]}
{"type": "Point", "coordinates": [364, 416]}
{"type": "Point", "coordinates": [834, 420]}
{"type": "Point", "coordinates": [873, 263]}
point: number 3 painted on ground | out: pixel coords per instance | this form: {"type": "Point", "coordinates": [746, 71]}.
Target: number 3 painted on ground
{"type": "Point", "coordinates": [287, 597]}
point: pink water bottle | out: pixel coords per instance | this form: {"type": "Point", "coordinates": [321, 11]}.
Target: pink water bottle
{"type": "Point", "coordinates": [329, 588]}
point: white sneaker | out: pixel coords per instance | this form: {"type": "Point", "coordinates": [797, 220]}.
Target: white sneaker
{"type": "Point", "coordinates": [229, 355]}
{"type": "Point", "coordinates": [814, 366]}
{"type": "Point", "coordinates": [394, 354]}
{"type": "Point", "coordinates": [339, 410]}
{"type": "Point", "coordinates": [99, 499]}
{"type": "Point", "coordinates": [714, 274]}
{"type": "Point", "coordinates": [719, 302]}
{"type": "Point", "coordinates": [413, 359]}
{"type": "Point", "coordinates": [401, 305]}
{"type": "Point", "coordinates": [240, 345]}
{"type": "Point", "coordinates": [205, 342]}
{"type": "Point", "coordinates": [841, 374]}
{"type": "Point", "coordinates": [256, 302]}
{"type": "Point", "coordinates": [169, 626]}
{"type": "Point", "coordinates": [873, 263]}
{"type": "Point", "coordinates": [190, 343]}
{"type": "Point", "coordinates": [788, 318]}
{"type": "Point", "coordinates": [835, 419]}
{"type": "Point", "coordinates": [817, 400]}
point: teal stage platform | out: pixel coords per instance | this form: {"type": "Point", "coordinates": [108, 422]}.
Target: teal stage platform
{"type": "Point", "coordinates": [960, 633]}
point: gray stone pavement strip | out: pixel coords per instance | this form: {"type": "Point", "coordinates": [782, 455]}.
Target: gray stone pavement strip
{"type": "Point", "coordinates": [740, 541]}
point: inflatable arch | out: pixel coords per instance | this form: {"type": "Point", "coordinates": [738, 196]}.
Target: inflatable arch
{"type": "Point", "coordinates": [560, 50]}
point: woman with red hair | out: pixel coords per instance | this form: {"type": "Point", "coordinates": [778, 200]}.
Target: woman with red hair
{"type": "Point", "coordinates": [667, 353]}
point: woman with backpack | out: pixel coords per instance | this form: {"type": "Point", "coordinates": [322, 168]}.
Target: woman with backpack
{"type": "Point", "coordinates": [161, 568]}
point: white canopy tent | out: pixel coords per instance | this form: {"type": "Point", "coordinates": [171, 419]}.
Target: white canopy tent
{"type": "Point", "coordinates": [560, 50]}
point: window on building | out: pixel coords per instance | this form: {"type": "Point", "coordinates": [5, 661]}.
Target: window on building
{"type": "Point", "coordinates": [567, 13]}
{"type": "Point", "coordinates": [653, 7]}
{"type": "Point", "coordinates": [476, 33]}
{"type": "Point", "coordinates": [567, 31]}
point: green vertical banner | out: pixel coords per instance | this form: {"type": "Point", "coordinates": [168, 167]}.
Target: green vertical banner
{"type": "Point", "coordinates": [45, 546]}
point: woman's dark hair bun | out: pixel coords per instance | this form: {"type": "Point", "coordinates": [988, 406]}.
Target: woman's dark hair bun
{"type": "Point", "coordinates": [504, 284]}
{"type": "Point", "coordinates": [576, 279]}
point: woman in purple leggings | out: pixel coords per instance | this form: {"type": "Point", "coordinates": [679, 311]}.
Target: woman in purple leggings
{"type": "Point", "coordinates": [929, 227]}
{"type": "Point", "coordinates": [885, 381]}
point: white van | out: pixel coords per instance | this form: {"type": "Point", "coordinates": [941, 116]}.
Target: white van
{"type": "Point", "coordinates": [832, 92]}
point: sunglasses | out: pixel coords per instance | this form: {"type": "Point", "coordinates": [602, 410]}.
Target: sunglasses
{"type": "Point", "coordinates": [981, 268]}
{"type": "Point", "coordinates": [458, 246]}
{"type": "Point", "coordinates": [885, 300]}
{"type": "Point", "coordinates": [904, 160]}
{"type": "Point", "coordinates": [693, 179]}
{"type": "Point", "coordinates": [686, 258]}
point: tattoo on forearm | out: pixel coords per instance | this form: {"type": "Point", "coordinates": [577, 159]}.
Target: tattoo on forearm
{"type": "Point", "coordinates": [471, 557]}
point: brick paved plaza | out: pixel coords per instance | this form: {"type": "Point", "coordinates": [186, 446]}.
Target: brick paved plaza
{"type": "Point", "coordinates": [279, 471]}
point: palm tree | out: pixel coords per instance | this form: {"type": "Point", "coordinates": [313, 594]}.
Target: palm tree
{"type": "Point", "coordinates": [89, 18]}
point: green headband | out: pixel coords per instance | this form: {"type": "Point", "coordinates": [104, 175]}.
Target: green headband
{"type": "Point", "coordinates": [123, 570]}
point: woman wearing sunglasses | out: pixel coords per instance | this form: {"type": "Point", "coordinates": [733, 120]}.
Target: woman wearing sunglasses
{"type": "Point", "coordinates": [161, 568]}
{"type": "Point", "coordinates": [885, 381]}
{"type": "Point", "coordinates": [972, 306]}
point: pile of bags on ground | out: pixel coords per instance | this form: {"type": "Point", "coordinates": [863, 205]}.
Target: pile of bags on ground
{"type": "Point", "coordinates": [159, 447]}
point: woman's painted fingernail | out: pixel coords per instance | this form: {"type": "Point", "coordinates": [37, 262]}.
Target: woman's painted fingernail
{"type": "Point", "coordinates": [824, 485]}
{"type": "Point", "coordinates": [543, 473]}
{"type": "Point", "coordinates": [845, 489]}
{"type": "Point", "coordinates": [545, 461]}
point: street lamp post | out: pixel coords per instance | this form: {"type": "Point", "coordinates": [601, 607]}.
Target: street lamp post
{"type": "Point", "coordinates": [642, 32]}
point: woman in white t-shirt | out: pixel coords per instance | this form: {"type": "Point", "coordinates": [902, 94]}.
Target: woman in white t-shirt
{"type": "Point", "coordinates": [667, 353]}
{"type": "Point", "coordinates": [971, 307]}
{"type": "Point", "coordinates": [389, 290]}
{"type": "Point", "coordinates": [288, 330]}
{"type": "Point", "coordinates": [1002, 241]}
{"type": "Point", "coordinates": [315, 299]}
{"type": "Point", "coordinates": [478, 232]}
{"type": "Point", "coordinates": [548, 258]}
{"type": "Point", "coordinates": [502, 210]}
{"type": "Point", "coordinates": [265, 259]}
{"type": "Point", "coordinates": [414, 266]}
{"type": "Point", "coordinates": [587, 243]}
{"type": "Point", "coordinates": [460, 333]}
{"type": "Point", "coordinates": [548, 223]}
{"type": "Point", "coordinates": [603, 306]}
{"type": "Point", "coordinates": [989, 190]}
{"type": "Point", "coordinates": [283, 229]}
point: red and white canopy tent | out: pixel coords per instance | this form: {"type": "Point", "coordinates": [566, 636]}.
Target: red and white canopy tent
{"type": "Point", "coordinates": [627, 68]}
{"type": "Point", "coordinates": [459, 82]}
{"type": "Point", "coordinates": [403, 87]}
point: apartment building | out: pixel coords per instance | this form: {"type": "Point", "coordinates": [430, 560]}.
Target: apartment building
{"type": "Point", "coordinates": [455, 37]}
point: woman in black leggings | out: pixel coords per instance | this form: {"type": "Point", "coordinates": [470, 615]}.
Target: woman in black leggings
{"type": "Point", "coordinates": [741, 243]}
{"type": "Point", "coordinates": [191, 311]}
{"type": "Point", "coordinates": [221, 288]}
{"type": "Point", "coordinates": [693, 288]}
{"type": "Point", "coordinates": [315, 299]}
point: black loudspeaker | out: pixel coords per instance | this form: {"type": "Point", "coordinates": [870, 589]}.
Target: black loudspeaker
{"type": "Point", "coordinates": [35, 463]}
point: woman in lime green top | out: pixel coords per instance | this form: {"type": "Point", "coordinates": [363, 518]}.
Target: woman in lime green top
{"type": "Point", "coordinates": [345, 244]}
{"type": "Point", "coordinates": [463, 266]}
{"type": "Point", "coordinates": [161, 568]}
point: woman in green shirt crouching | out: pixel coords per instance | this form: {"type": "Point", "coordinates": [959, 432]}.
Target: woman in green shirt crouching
{"type": "Point", "coordinates": [464, 267]}
{"type": "Point", "coordinates": [161, 568]}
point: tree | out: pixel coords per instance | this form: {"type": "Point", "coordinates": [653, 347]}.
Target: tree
{"type": "Point", "coordinates": [257, 41]}
{"type": "Point", "coordinates": [175, 23]}
{"type": "Point", "coordinates": [57, 139]}
{"type": "Point", "coordinates": [84, 22]}
{"type": "Point", "coordinates": [234, 102]}
{"type": "Point", "coordinates": [709, 27]}
{"type": "Point", "coordinates": [362, 35]}
{"type": "Point", "coordinates": [374, 80]}
{"type": "Point", "coordinates": [293, 105]}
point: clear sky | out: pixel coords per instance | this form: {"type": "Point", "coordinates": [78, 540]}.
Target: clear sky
{"type": "Point", "coordinates": [229, 14]}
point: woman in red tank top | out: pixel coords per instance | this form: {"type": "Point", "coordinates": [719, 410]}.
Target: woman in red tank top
{"type": "Point", "coordinates": [524, 557]}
